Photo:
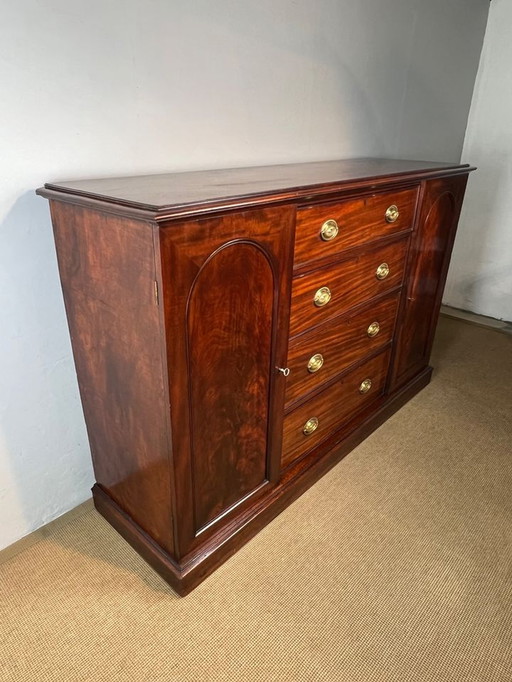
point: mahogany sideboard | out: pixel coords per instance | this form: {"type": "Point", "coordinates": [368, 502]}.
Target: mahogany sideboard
{"type": "Point", "coordinates": [237, 332]}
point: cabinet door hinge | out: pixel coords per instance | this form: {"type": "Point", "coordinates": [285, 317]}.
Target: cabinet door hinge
{"type": "Point", "coordinates": [156, 291]}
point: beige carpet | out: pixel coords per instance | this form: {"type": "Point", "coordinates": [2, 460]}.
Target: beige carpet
{"type": "Point", "coordinates": [396, 566]}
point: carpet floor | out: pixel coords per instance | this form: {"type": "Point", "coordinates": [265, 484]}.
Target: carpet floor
{"type": "Point", "coordinates": [397, 565]}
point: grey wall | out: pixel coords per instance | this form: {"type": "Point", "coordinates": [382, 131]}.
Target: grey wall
{"type": "Point", "coordinates": [480, 277]}
{"type": "Point", "coordinates": [446, 46]}
{"type": "Point", "coordinates": [119, 87]}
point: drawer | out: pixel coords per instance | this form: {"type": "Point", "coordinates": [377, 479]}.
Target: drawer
{"type": "Point", "coordinates": [317, 356]}
{"type": "Point", "coordinates": [327, 229]}
{"type": "Point", "coordinates": [326, 293]}
{"type": "Point", "coordinates": [311, 423]}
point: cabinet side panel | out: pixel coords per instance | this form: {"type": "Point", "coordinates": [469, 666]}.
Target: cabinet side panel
{"type": "Point", "coordinates": [229, 352]}
{"type": "Point", "coordinates": [107, 272]}
{"type": "Point", "coordinates": [426, 276]}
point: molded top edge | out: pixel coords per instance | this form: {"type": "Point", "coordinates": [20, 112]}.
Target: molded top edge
{"type": "Point", "coordinates": [169, 192]}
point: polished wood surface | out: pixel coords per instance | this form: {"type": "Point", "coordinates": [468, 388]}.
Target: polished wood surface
{"type": "Point", "coordinates": [192, 326]}
{"type": "Point", "coordinates": [333, 406]}
{"type": "Point", "coordinates": [341, 342]}
{"type": "Point", "coordinates": [428, 267]}
{"type": "Point", "coordinates": [201, 191]}
{"type": "Point", "coordinates": [351, 283]}
{"type": "Point", "coordinates": [359, 220]}
{"type": "Point", "coordinates": [229, 329]}
{"type": "Point", "coordinates": [106, 268]}
{"type": "Point", "coordinates": [225, 290]}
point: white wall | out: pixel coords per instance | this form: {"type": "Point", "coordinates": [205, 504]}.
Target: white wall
{"type": "Point", "coordinates": [480, 277]}
{"type": "Point", "coordinates": [123, 86]}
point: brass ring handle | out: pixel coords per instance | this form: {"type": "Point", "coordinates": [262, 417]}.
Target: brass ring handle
{"type": "Point", "coordinates": [322, 297]}
{"type": "Point", "coordinates": [315, 362]}
{"type": "Point", "coordinates": [392, 214]}
{"type": "Point", "coordinates": [382, 271]}
{"type": "Point", "coordinates": [285, 371]}
{"type": "Point", "coordinates": [310, 426]}
{"type": "Point", "coordinates": [329, 230]}
{"type": "Point", "coordinates": [373, 329]}
{"type": "Point", "coordinates": [365, 386]}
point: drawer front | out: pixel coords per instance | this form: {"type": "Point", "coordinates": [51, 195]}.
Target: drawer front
{"type": "Point", "coordinates": [317, 356]}
{"type": "Point", "coordinates": [328, 229]}
{"type": "Point", "coordinates": [324, 294]}
{"type": "Point", "coordinates": [311, 423]}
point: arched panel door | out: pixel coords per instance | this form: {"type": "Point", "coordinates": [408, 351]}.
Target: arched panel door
{"type": "Point", "coordinates": [226, 284]}
{"type": "Point", "coordinates": [229, 345]}
{"type": "Point", "coordinates": [426, 275]}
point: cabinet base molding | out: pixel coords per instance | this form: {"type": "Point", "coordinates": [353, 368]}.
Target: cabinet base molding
{"type": "Point", "coordinates": [183, 577]}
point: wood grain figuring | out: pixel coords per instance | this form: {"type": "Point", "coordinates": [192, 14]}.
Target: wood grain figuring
{"type": "Point", "coordinates": [229, 350]}
{"type": "Point", "coordinates": [359, 221]}
{"type": "Point", "coordinates": [351, 283]}
{"type": "Point", "coordinates": [107, 270]}
{"type": "Point", "coordinates": [342, 342]}
{"type": "Point", "coordinates": [192, 326]}
{"type": "Point", "coordinates": [428, 265]}
{"type": "Point", "coordinates": [333, 407]}
{"type": "Point", "coordinates": [238, 251]}
{"type": "Point", "coordinates": [186, 194]}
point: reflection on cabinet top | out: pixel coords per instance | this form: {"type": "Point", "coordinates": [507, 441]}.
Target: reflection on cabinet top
{"type": "Point", "coordinates": [191, 193]}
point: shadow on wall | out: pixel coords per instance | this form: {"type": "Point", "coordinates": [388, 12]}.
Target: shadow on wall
{"type": "Point", "coordinates": [44, 453]}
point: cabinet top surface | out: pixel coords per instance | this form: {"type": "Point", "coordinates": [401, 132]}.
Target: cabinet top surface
{"type": "Point", "coordinates": [165, 193]}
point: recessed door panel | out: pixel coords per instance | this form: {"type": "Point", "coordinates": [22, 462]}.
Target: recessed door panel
{"type": "Point", "coordinates": [229, 324]}
{"type": "Point", "coordinates": [426, 276]}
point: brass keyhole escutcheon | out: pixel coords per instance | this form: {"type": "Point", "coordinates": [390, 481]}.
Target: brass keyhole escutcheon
{"type": "Point", "coordinates": [329, 230]}
{"type": "Point", "coordinates": [392, 214]}
{"type": "Point", "coordinates": [365, 386]}
{"type": "Point", "coordinates": [310, 426]}
{"type": "Point", "coordinates": [373, 329]}
{"type": "Point", "coordinates": [315, 362]}
{"type": "Point", "coordinates": [322, 297]}
{"type": "Point", "coordinates": [382, 271]}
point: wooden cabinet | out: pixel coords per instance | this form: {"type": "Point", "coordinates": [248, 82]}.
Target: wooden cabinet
{"type": "Point", "coordinates": [237, 332]}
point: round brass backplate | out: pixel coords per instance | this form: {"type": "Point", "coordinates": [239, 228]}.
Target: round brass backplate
{"type": "Point", "coordinates": [392, 214]}
{"type": "Point", "coordinates": [322, 297]}
{"type": "Point", "coordinates": [329, 230]}
{"type": "Point", "coordinates": [315, 363]}
{"type": "Point", "coordinates": [365, 386]}
{"type": "Point", "coordinates": [373, 329]}
{"type": "Point", "coordinates": [382, 271]}
{"type": "Point", "coordinates": [310, 426]}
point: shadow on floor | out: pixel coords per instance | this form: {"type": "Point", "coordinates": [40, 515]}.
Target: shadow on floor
{"type": "Point", "coordinates": [92, 536]}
